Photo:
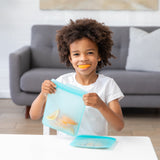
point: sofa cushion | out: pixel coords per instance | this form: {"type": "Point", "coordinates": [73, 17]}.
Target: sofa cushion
{"type": "Point", "coordinates": [144, 50]}
{"type": "Point", "coordinates": [134, 82]}
{"type": "Point", "coordinates": [120, 38]}
{"type": "Point", "coordinates": [31, 81]}
{"type": "Point", "coordinates": [44, 47]}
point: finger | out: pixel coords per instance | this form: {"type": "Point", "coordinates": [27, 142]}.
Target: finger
{"type": "Point", "coordinates": [53, 84]}
{"type": "Point", "coordinates": [46, 82]}
{"type": "Point", "coordinates": [87, 103]}
{"type": "Point", "coordinates": [90, 95]}
{"type": "Point", "coordinates": [48, 90]}
{"type": "Point", "coordinates": [52, 90]}
{"type": "Point", "coordinates": [45, 88]}
{"type": "Point", "coordinates": [86, 100]}
{"type": "Point", "coordinates": [50, 85]}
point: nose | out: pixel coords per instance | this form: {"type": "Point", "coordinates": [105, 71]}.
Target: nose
{"type": "Point", "coordinates": [83, 57]}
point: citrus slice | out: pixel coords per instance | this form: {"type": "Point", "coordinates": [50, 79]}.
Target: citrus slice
{"type": "Point", "coordinates": [54, 115]}
{"type": "Point", "coordinates": [67, 120]}
{"type": "Point", "coordinates": [84, 66]}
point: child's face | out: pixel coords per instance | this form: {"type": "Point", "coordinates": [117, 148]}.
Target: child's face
{"type": "Point", "coordinates": [84, 56]}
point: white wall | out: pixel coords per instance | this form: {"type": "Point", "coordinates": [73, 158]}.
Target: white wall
{"type": "Point", "coordinates": [17, 17]}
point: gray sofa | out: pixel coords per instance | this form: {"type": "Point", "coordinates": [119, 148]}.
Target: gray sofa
{"type": "Point", "coordinates": [31, 65]}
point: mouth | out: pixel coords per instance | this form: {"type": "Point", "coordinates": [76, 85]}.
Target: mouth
{"type": "Point", "coordinates": [84, 66]}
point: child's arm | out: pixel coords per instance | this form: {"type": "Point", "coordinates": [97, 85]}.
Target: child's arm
{"type": "Point", "coordinates": [37, 107]}
{"type": "Point", "coordinates": [112, 114]}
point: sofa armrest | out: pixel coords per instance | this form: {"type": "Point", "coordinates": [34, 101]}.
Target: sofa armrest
{"type": "Point", "coordinates": [19, 63]}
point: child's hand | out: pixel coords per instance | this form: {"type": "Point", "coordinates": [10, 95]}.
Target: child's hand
{"type": "Point", "coordinates": [93, 100]}
{"type": "Point", "coordinates": [48, 87]}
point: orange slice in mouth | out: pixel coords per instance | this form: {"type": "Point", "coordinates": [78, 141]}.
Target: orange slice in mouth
{"type": "Point", "coordinates": [84, 66]}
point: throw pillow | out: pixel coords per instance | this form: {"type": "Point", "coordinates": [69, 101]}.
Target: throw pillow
{"type": "Point", "coordinates": [144, 50]}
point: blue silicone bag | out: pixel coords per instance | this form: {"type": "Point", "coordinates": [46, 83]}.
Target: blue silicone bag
{"type": "Point", "coordinates": [91, 141]}
{"type": "Point", "coordinates": [64, 109]}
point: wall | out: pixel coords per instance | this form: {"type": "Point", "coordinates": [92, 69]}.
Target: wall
{"type": "Point", "coordinates": [17, 17]}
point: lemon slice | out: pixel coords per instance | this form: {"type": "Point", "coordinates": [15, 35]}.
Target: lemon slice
{"type": "Point", "coordinates": [84, 66]}
{"type": "Point", "coordinates": [67, 120]}
{"type": "Point", "coordinates": [54, 115]}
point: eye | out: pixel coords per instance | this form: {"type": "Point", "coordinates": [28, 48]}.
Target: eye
{"type": "Point", "coordinates": [90, 52]}
{"type": "Point", "coordinates": [75, 54]}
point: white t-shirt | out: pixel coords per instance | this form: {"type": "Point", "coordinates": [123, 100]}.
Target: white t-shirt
{"type": "Point", "coordinates": [93, 123]}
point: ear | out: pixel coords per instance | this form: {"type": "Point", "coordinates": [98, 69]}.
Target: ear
{"type": "Point", "coordinates": [99, 58]}
{"type": "Point", "coordinates": [70, 59]}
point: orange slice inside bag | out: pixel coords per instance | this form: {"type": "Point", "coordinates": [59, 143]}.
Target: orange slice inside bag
{"type": "Point", "coordinates": [54, 115]}
{"type": "Point", "coordinates": [67, 120]}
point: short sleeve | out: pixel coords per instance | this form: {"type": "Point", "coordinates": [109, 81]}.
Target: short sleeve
{"type": "Point", "coordinates": [60, 79]}
{"type": "Point", "coordinates": [113, 92]}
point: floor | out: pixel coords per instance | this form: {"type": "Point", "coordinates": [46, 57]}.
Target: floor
{"type": "Point", "coordinates": [138, 122]}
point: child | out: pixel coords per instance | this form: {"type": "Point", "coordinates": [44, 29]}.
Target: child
{"type": "Point", "coordinates": [86, 45]}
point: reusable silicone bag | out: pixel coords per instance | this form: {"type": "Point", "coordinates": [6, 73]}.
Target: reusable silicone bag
{"type": "Point", "coordinates": [64, 109]}
{"type": "Point", "coordinates": [91, 141]}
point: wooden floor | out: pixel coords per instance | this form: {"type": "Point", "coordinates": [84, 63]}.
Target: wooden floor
{"type": "Point", "coordinates": [138, 122]}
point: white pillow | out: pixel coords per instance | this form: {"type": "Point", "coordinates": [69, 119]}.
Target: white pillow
{"type": "Point", "coordinates": [144, 50]}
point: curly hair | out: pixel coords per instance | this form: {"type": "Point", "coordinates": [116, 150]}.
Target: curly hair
{"type": "Point", "coordinates": [91, 29]}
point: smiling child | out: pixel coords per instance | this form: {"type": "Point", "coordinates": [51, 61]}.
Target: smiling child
{"type": "Point", "coordinates": [86, 45]}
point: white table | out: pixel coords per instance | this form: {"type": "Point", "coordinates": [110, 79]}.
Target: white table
{"type": "Point", "coordinates": [50, 147]}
